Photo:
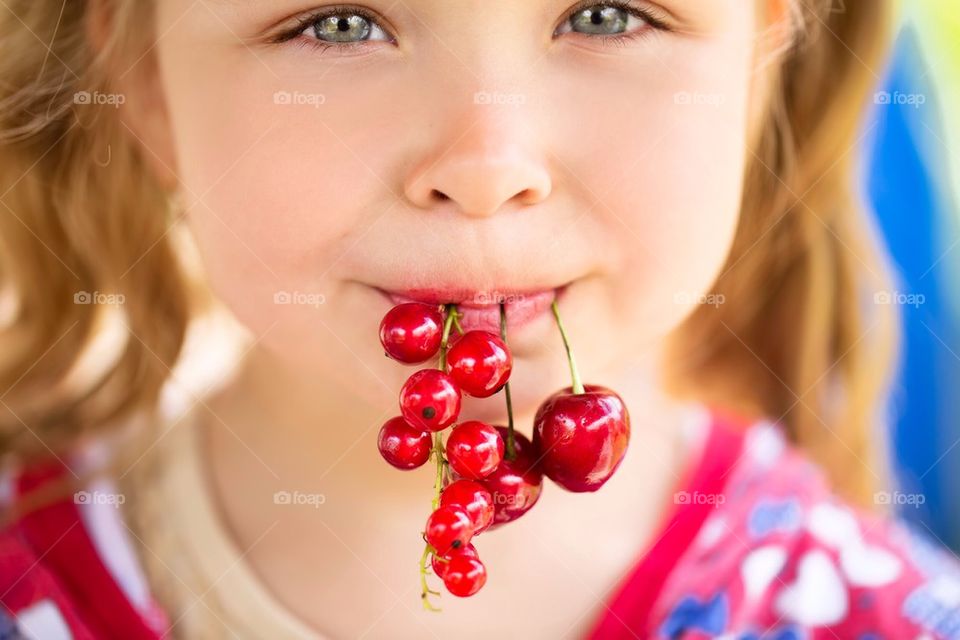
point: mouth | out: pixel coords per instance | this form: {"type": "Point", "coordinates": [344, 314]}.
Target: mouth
{"type": "Point", "coordinates": [481, 308]}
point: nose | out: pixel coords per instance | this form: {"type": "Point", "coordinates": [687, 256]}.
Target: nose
{"type": "Point", "coordinates": [486, 168]}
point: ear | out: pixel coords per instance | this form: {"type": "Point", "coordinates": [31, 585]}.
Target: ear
{"type": "Point", "coordinates": [143, 112]}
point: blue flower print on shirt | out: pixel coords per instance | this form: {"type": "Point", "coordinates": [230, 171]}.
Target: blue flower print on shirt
{"type": "Point", "coordinates": [768, 516]}
{"type": "Point", "coordinates": [692, 613]}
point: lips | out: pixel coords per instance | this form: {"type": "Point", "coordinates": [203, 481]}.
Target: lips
{"type": "Point", "coordinates": [481, 309]}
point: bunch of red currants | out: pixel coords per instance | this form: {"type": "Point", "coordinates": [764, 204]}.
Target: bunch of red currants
{"type": "Point", "coordinates": [487, 475]}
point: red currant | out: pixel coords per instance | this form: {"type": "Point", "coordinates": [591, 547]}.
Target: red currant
{"type": "Point", "coordinates": [582, 436]}
{"type": "Point", "coordinates": [448, 528]}
{"type": "Point", "coordinates": [474, 498]}
{"type": "Point", "coordinates": [515, 484]}
{"type": "Point", "coordinates": [430, 400]}
{"type": "Point", "coordinates": [402, 445]}
{"type": "Point", "coordinates": [440, 563]}
{"type": "Point", "coordinates": [464, 576]}
{"type": "Point", "coordinates": [411, 332]}
{"type": "Point", "coordinates": [480, 363]}
{"type": "Point", "coordinates": [474, 449]}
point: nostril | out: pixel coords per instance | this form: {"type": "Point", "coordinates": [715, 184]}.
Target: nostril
{"type": "Point", "coordinates": [439, 195]}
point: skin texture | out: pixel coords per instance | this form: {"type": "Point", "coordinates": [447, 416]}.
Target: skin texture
{"type": "Point", "coordinates": [614, 168]}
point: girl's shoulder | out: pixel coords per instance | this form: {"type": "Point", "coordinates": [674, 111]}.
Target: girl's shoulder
{"type": "Point", "coordinates": [67, 566]}
{"type": "Point", "coordinates": [778, 555]}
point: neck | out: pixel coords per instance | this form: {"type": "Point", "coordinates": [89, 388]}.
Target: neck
{"type": "Point", "coordinates": [286, 434]}
{"type": "Point", "coordinates": [273, 422]}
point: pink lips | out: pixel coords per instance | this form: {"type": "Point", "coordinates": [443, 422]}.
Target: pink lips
{"type": "Point", "coordinates": [481, 309]}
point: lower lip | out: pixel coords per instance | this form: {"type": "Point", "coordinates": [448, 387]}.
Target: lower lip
{"type": "Point", "coordinates": [521, 308]}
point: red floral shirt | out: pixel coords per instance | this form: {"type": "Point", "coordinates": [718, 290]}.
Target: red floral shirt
{"type": "Point", "coordinates": [759, 548]}
{"type": "Point", "coordinates": [756, 547]}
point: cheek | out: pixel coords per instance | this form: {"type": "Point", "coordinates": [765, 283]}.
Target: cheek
{"type": "Point", "coordinates": [682, 207]}
{"type": "Point", "coordinates": [289, 182]}
{"type": "Point", "coordinates": [278, 193]}
{"type": "Point", "coordinates": [666, 160]}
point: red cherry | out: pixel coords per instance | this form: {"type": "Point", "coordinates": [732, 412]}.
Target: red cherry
{"type": "Point", "coordinates": [480, 363]}
{"type": "Point", "coordinates": [403, 445]}
{"type": "Point", "coordinates": [474, 449]}
{"type": "Point", "coordinates": [582, 437]}
{"type": "Point", "coordinates": [464, 576]}
{"type": "Point", "coordinates": [430, 400]}
{"type": "Point", "coordinates": [474, 498]}
{"type": "Point", "coordinates": [448, 528]}
{"type": "Point", "coordinates": [411, 332]}
{"type": "Point", "coordinates": [515, 484]}
{"type": "Point", "coordinates": [440, 567]}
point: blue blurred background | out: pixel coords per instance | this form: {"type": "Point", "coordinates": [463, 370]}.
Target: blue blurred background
{"type": "Point", "coordinates": [911, 177]}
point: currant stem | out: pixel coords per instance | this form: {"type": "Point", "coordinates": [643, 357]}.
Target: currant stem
{"type": "Point", "coordinates": [574, 374]}
{"type": "Point", "coordinates": [425, 589]}
{"type": "Point", "coordinates": [511, 448]}
{"type": "Point", "coordinates": [456, 322]}
{"type": "Point", "coordinates": [451, 310]}
{"type": "Point", "coordinates": [438, 454]}
{"type": "Point", "coordinates": [438, 481]}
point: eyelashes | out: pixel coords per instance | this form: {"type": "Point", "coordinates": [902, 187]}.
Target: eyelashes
{"type": "Point", "coordinates": [652, 21]}
{"type": "Point", "coordinates": [651, 17]}
{"type": "Point", "coordinates": [314, 21]}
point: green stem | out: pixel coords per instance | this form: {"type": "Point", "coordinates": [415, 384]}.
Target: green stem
{"type": "Point", "coordinates": [456, 322]}
{"type": "Point", "coordinates": [511, 448]}
{"type": "Point", "coordinates": [574, 374]}
{"type": "Point", "coordinates": [451, 310]}
{"type": "Point", "coordinates": [438, 455]}
{"type": "Point", "coordinates": [425, 589]}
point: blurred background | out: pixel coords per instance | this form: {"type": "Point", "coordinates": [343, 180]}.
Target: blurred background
{"type": "Point", "coordinates": [912, 181]}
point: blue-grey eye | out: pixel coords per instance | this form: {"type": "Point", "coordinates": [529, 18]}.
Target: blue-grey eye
{"type": "Point", "coordinates": [344, 28]}
{"type": "Point", "coordinates": [601, 20]}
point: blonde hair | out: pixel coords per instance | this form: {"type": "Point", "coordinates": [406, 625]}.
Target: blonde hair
{"type": "Point", "coordinates": [85, 216]}
{"type": "Point", "coordinates": [83, 223]}
{"type": "Point", "coordinates": [798, 337]}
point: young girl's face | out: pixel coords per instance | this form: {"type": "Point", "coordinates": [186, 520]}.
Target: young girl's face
{"type": "Point", "coordinates": [465, 147]}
